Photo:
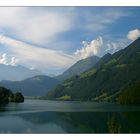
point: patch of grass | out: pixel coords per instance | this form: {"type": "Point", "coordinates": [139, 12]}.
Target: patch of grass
{"type": "Point", "coordinates": [121, 66]}
{"type": "Point", "coordinates": [110, 62]}
{"type": "Point", "coordinates": [64, 98]}
{"type": "Point", "coordinates": [88, 73]}
{"type": "Point", "coordinates": [68, 84]}
{"type": "Point", "coordinates": [100, 98]}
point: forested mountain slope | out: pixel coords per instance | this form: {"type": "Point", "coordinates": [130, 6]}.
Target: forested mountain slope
{"type": "Point", "coordinates": [110, 75]}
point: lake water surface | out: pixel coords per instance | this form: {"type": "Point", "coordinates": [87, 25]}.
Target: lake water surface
{"type": "Point", "coordinates": [42, 116]}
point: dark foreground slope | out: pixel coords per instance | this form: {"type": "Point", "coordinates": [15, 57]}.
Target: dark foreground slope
{"type": "Point", "coordinates": [130, 94]}
{"type": "Point", "coordinates": [105, 80]}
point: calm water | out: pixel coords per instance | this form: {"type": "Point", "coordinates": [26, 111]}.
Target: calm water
{"type": "Point", "coordinates": [40, 116]}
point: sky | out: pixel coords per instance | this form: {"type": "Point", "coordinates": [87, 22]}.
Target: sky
{"type": "Point", "coordinates": [51, 39]}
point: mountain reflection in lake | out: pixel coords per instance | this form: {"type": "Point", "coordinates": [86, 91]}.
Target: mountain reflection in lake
{"type": "Point", "coordinates": [35, 116]}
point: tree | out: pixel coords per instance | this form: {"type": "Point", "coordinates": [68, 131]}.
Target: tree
{"type": "Point", "coordinates": [4, 94]}
{"type": "Point", "coordinates": [7, 96]}
{"type": "Point", "coordinates": [17, 97]}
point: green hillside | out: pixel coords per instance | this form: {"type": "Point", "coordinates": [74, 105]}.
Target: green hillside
{"type": "Point", "coordinates": [110, 75]}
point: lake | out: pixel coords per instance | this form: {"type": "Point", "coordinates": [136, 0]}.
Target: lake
{"type": "Point", "coordinates": [42, 116]}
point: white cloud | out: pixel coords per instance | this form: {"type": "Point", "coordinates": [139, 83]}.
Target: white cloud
{"type": "Point", "coordinates": [90, 48]}
{"type": "Point", "coordinates": [133, 34]}
{"type": "Point", "coordinates": [113, 47]}
{"type": "Point", "coordinates": [33, 56]}
{"type": "Point", "coordinates": [3, 59]}
{"type": "Point", "coordinates": [116, 45]}
{"type": "Point", "coordinates": [7, 60]}
{"type": "Point", "coordinates": [14, 61]}
{"type": "Point", "coordinates": [36, 26]}
{"type": "Point", "coordinates": [42, 25]}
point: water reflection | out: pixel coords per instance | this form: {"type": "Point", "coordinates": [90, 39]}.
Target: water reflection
{"type": "Point", "coordinates": [18, 121]}
{"type": "Point", "coordinates": [71, 122]}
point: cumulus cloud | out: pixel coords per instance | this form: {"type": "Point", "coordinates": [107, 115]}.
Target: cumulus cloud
{"type": "Point", "coordinates": [3, 59]}
{"type": "Point", "coordinates": [113, 47]}
{"type": "Point", "coordinates": [133, 34]}
{"type": "Point", "coordinates": [89, 48]}
{"type": "Point", "coordinates": [33, 56]}
{"type": "Point", "coordinates": [14, 61]}
{"type": "Point", "coordinates": [7, 60]}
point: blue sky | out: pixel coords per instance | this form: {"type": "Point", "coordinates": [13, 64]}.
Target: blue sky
{"type": "Point", "coordinates": [51, 39]}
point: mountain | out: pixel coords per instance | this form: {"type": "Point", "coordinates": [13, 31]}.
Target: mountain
{"type": "Point", "coordinates": [35, 86]}
{"type": "Point", "coordinates": [38, 85]}
{"type": "Point", "coordinates": [79, 67]}
{"type": "Point", "coordinates": [105, 80]}
{"type": "Point", "coordinates": [16, 73]}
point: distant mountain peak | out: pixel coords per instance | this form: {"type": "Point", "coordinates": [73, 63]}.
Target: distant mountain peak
{"type": "Point", "coordinates": [16, 73]}
{"type": "Point", "coordinates": [79, 67]}
{"type": "Point", "coordinates": [34, 86]}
